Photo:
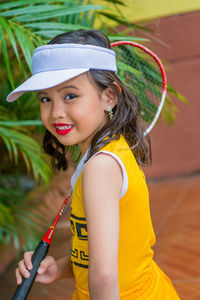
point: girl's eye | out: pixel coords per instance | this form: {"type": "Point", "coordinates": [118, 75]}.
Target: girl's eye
{"type": "Point", "coordinates": [70, 96]}
{"type": "Point", "coordinates": [45, 99]}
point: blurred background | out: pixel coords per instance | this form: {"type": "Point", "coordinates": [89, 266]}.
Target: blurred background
{"type": "Point", "coordinates": [27, 184]}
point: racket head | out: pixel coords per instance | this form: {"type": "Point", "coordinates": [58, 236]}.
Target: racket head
{"type": "Point", "coordinates": [143, 74]}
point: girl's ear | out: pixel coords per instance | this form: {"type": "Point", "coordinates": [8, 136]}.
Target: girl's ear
{"type": "Point", "coordinates": [109, 98]}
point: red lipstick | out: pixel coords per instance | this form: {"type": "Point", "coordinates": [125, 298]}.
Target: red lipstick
{"type": "Point", "coordinates": [63, 128]}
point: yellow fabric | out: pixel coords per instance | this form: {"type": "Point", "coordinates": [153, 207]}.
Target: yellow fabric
{"type": "Point", "coordinates": [139, 276]}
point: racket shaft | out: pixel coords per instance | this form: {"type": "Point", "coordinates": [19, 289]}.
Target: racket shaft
{"type": "Point", "coordinates": [39, 254]}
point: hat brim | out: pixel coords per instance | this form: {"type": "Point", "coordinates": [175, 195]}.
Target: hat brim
{"type": "Point", "coordinates": [44, 80]}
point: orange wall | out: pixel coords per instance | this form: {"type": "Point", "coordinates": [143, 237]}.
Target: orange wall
{"type": "Point", "coordinates": [176, 147]}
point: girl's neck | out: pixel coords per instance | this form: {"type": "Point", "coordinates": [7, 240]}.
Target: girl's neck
{"type": "Point", "coordinates": [83, 147]}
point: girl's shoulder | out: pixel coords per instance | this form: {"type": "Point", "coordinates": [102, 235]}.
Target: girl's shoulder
{"type": "Point", "coordinates": [103, 158]}
{"type": "Point", "coordinates": [111, 154]}
{"type": "Point", "coordinates": [117, 145]}
{"type": "Point", "coordinates": [101, 171]}
{"type": "Point", "coordinates": [109, 162]}
{"type": "Point", "coordinates": [119, 148]}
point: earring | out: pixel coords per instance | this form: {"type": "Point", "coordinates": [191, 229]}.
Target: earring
{"type": "Point", "coordinates": [110, 112]}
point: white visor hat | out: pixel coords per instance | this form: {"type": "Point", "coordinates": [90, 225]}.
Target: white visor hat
{"type": "Point", "coordinates": [54, 64]}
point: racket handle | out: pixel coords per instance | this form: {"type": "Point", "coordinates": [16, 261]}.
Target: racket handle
{"type": "Point", "coordinates": [39, 254]}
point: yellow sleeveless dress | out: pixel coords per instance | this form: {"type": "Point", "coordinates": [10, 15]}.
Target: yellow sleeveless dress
{"type": "Point", "coordinates": [139, 276]}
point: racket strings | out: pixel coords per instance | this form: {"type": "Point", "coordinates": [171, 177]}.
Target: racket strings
{"type": "Point", "coordinates": [142, 75]}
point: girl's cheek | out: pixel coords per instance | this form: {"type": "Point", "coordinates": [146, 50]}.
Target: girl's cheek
{"type": "Point", "coordinates": [44, 117]}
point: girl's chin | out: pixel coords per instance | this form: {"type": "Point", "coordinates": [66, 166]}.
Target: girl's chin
{"type": "Point", "coordinates": [64, 140]}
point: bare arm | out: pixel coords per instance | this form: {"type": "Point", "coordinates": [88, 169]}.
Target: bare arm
{"type": "Point", "coordinates": [102, 183]}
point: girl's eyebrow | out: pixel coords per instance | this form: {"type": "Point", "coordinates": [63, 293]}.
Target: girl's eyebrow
{"type": "Point", "coordinates": [60, 89]}
{"type": "Point", "coordinates": [67, 87]}
{"type": "Point", "coordinates": [38, 93]}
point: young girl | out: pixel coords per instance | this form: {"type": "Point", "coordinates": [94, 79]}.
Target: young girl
{"type": "Point", "coordinates": [84, 103]}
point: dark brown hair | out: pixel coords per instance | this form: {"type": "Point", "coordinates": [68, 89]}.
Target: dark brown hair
{"type": "Point", "coordinates": [126, 118]}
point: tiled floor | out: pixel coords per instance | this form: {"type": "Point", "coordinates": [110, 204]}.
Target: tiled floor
{"type": "Point", "coordinates": [175, 207]}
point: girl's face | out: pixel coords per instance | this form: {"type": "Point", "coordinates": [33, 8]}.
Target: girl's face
{"type": "Point", "coordinates": [75, 110]}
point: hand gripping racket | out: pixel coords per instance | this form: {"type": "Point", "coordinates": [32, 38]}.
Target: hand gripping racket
{"type": "Point", "coordinates": [39, 254]}
{"type": "Point", "coordinates": [143, 73]}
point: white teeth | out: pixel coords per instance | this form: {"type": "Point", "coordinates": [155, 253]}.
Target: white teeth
{"type": "Point", "coordinates": [63, 127]}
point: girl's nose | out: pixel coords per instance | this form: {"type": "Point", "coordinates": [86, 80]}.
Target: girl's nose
{"type": "Point", "coordinates": [58, 110]}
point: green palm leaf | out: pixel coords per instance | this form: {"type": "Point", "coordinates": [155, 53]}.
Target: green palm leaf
{"type": "Point", "coordinates": [16, 142]}
{"type": "Point", "coordinates": [29, 10]}
{"type": "Point", "coordinates": [19, 3]}
{"type": "Point", "coordinates": [5, 55]}
{"type": "Point", "coordinates": [14, 213]}
{"type": "Point", "coordinates": [21, 123]}
{"type": "Point", "coordinates": [53, 26]}
{"type": "Point", "coordinates": [6, 26]}
{"type": "Point", "coordinates": [25, 43]}
{"type": "Point", "coordinates": [57, 12]}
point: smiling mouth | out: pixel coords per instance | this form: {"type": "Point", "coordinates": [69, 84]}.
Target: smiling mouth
{"type": "Point", "coordinates": [63, 129]}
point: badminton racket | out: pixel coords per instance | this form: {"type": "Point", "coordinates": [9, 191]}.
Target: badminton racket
{"type": "Point", "coordinates": [39, 254]}
{"type": "Point", "coordinates": [143, 73]}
